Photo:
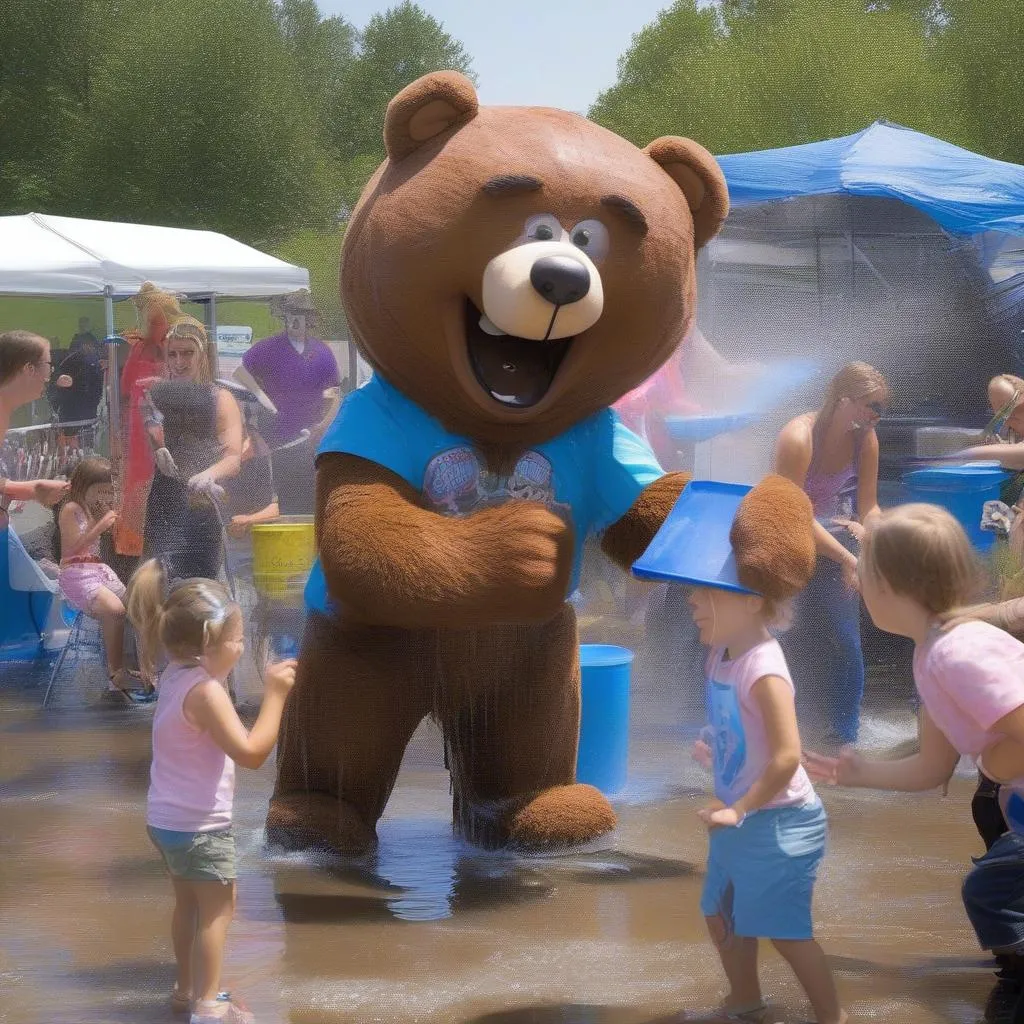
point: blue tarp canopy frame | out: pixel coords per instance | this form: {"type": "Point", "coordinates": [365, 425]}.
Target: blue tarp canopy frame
{"type": "Point", "coordinates": [966, 193]}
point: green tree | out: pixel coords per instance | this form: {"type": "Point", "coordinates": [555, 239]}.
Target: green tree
{"type": "Point", "coordinates": [981, 44]}
{"type": "Point", "coordinates": [322, 51]}
{"type": "Point", "coordinates": [197, 117]}
{"type": "Point", "coordinates": [43, 81]}
{"type": "Point", "coordinates": [395, 48]}
{"type": "Point", "coordinates": [754, 74]}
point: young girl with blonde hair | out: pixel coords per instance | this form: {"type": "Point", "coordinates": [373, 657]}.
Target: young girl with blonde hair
{"type": "Point", "coordinates": [767, 827]}
{"type": "Point", "coordinates": [197, 741]}
{"type": "Point", "coordinates": [916, 567]}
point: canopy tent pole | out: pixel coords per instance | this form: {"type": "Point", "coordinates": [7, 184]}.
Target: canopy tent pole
{"type": "Point", "coordinates": [212, 335]}
{"type": "Point", "coordinates": [113, 378]}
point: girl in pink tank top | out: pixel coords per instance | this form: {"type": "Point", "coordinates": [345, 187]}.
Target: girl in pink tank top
{"type": "Point", "coordinates": [86, 582]}
{"type": "Point", "coordinates": [198, 739]}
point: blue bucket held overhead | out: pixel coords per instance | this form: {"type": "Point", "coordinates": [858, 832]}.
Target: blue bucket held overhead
{"type": "Point", "coordinates": [962, 491]}
{"type": "Point", "coordinates": [602, 759]}
{"type": "Point", "coordinates": [692, 545]}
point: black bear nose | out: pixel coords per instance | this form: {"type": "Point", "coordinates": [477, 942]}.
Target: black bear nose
{"type": "Point", "coordinates": [560, 279]}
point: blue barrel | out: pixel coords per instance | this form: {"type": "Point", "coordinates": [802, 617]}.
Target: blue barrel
{"type": "Point", "coordinates": [961, 490]}
{"type": "Point", "coordinates": [603, 756]}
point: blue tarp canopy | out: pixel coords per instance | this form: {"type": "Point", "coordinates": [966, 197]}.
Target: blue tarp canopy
{"type": "Point", "coordinates": [964, 192]}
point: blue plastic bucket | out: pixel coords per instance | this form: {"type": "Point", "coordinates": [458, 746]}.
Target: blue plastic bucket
{"type": "Point", "coordinates": [603, 756]}
{"type": "Point", "coordinates": [961, 490]}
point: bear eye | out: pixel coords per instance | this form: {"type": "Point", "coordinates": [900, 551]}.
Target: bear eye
{"type": "Point", "coordinates": [544, 228]}
{"type": "Point", "coordinates": [592, 237]}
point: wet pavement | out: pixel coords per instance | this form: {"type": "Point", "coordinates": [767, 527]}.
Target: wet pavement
{"type": "Point", "coordinates": [431, 929]}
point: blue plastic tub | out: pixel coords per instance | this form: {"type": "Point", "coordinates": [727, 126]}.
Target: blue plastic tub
{"type": "Point", "coordinates": [603, 756]}
{"type": "Point", "coordinates": [962, 490]}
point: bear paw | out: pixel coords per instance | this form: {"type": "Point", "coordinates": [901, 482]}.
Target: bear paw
{"type": "Point", "coordinates": [562, 816]}
{"type": "Point", "coordinates": [318, 821]}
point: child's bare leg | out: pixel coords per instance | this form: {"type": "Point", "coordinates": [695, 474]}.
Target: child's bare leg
{"type": "Point", "coordinates": [809, 965]}
{"type": "Point", "coordinates": [739, 961]}
{"type": "Point", "coordinates": [184, 924]}
{"type": "Point", "coordinates": [107, 607]}
{"type": "Point", "coordinates": [216, 902]}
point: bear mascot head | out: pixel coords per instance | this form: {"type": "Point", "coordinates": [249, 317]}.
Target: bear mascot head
{"type": "Point", "coordinates": [508, 273]}
{"type": "Point", "coordinates": [514, 270]}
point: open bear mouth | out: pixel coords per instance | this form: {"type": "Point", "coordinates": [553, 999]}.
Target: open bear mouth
{"type": "Point", "coordinates": [514, 371]}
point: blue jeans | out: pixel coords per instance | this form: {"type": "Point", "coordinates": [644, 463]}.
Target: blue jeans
{"type": "Point", "coordinates": [823, 648]}
{"type": "Point", "coordinates": [993, 895]}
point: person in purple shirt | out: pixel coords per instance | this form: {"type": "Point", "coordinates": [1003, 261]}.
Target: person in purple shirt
{"type": "Point", "coordinates": [295, 377]}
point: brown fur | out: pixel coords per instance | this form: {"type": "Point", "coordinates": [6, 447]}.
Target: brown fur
{"type": "Point", "coordinates": [773, 539]}
{"type": "Point", "coordinates": [625, 541]}
{"type": "Point", "coordinates": [466, 619]}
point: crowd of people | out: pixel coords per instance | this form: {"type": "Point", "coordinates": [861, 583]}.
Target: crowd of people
{"type": "Point", "coordinates": [190, 466]}
{"type": "Point", "coordinates": [198, 459]}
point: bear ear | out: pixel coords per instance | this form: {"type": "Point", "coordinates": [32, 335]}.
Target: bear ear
{"type": "Point", "coordinates": [697, 173]}
{"type": "Point", "coordinates": [772, 536]}
{"type": "Point", "coordinates": [425, 108]}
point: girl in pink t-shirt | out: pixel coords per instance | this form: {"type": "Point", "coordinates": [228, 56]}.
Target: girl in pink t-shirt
{"type": "Point", "coordinates": [917, 566]}
{"type": "Point", "coordinates": [767, 826]}
{"type": "Point", "coordinates": [197, 740]}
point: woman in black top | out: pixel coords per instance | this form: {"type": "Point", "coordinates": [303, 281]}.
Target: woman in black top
{"type": "Point", "coordinates": [196, 427]}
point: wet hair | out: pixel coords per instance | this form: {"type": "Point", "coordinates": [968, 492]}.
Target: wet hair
{"type": "Point", "coordinates": [19, 349]}
{"type": "Point", "coordinates": [189, 328]}
{"type": "Point", "coordinates": [923, 553]}
{"type": "Point", "coordinates": [185, 621]}
{"type": "Point", "coordinates": [853, 382]}
{"type": "Point", "coordinates": [86, 474]}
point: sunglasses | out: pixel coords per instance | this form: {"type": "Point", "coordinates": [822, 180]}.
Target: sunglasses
{"type": "Point", "coordinates": [876, 407]}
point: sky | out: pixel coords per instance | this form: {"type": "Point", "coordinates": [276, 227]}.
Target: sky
{"type": "Point", "coordinates": [553, 53]}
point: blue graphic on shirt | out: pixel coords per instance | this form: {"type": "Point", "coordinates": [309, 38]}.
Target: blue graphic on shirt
{"type": "Point", "coordinates": [456, 483]}
{"type": "Point", "coordinates": [728, 739]}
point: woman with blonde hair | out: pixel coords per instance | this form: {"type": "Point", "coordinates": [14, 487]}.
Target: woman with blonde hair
{"type": "Point", "coordinates": [155, 309]}
{"type": "Point", "coordinates": [195, 428]}
{"type": "Point", "coordinates": [833, 455]}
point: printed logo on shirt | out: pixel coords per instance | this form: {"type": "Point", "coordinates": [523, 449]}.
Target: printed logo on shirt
{"type": "Point", "coordinates": [456, 484]}
{"type": "Point", "coordinates": [728, 738]}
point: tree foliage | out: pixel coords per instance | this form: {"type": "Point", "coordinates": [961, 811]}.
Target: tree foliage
{"type": "Point", "coordinates": [259, 118]}
{"type": "Point", "coordinates": [754, 74]}
{"type": "Point", "coordinates": [263, 119]}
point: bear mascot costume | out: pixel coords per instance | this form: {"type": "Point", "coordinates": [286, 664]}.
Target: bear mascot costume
{"type": "Point", "coordinates": [509, 273]}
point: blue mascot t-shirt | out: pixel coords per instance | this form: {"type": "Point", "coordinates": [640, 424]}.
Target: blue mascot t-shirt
{"type": "Point", "coordinates": [591, 474]}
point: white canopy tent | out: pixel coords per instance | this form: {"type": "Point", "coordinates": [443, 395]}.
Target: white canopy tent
{"type": "Point", "coordinates": [64, 257]}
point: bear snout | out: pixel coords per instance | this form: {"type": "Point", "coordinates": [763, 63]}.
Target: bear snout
{"type": "Point", "coordinates": [560, 279]}
{"type": "Point", "coordinates": [541, 291]}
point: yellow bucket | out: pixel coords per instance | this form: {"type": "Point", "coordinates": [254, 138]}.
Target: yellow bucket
{"type": "Point", "coordinates": [283, 552]}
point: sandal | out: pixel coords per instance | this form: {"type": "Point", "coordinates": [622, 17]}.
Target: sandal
{"type": "Point", "coordinates": [122, 695]}
{"type": "Point", "coordinates": [233, 1014]}
{"type": "Point", "coordinates": [181, 1002]}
